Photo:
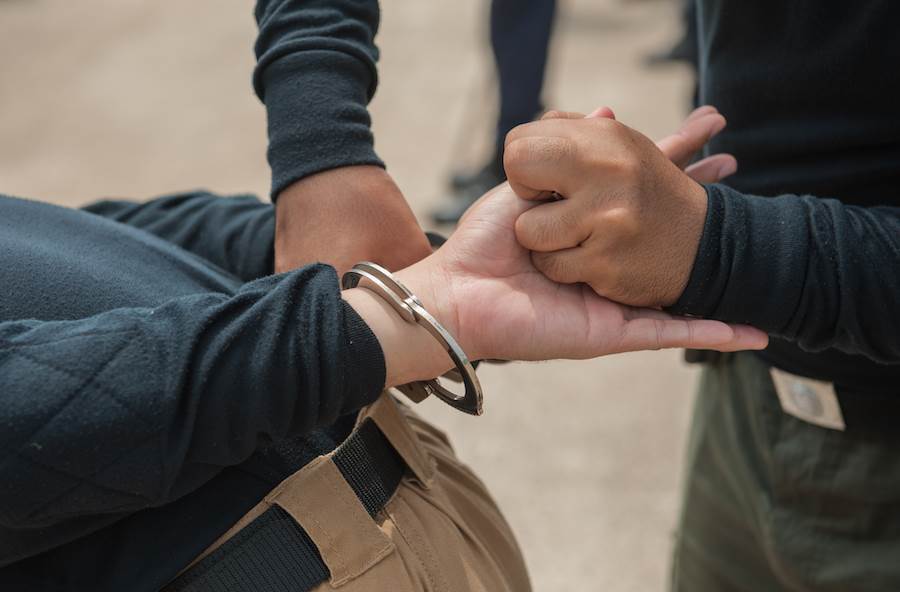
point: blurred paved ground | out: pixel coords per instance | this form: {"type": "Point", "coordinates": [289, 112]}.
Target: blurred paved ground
{"type": "Point", "coordinates": [138, 98]}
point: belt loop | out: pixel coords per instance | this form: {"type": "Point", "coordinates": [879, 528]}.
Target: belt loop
{"type": "Point", "coordinates": [395, 427]}
{"type": "Point", "coordinates": [322, 502]}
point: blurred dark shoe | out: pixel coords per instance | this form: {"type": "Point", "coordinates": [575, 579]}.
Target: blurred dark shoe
{"type": "Point", "coordinates": [456, 206]}
{"type": "Point", "coordinates": [467, 189]}
{"type": "Point", "coordinates": [489, 173]}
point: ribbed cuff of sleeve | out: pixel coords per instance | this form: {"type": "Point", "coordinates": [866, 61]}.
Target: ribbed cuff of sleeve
{"type": "Point", "coordinates": [367, 380]}
{"type": "Point", "coordinates": [750, 262]}
{"type": "Point", "coordinates": [317, 117]}
{"type": "Point", "coordinates": [706, 285]}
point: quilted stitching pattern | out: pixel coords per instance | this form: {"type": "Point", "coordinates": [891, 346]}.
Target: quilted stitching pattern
{"type": "Point", "coordinates": [81, 407]}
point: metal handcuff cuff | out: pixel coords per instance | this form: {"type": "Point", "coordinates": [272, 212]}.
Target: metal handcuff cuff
{"type": "Point", "coordinates": [380, 281]}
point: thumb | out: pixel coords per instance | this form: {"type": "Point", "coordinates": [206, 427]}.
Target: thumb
{"type": "Point", "coordinates": [601, 112]}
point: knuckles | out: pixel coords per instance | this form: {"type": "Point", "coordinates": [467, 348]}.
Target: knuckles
{"type": "Point", "coordinates": [553, 114]}
{"type": "Point", "coordinates": [589, 151]}
{"type": "Point", "coordinates": [617, 223]}
{"type": "Point", "coordinates": [626, 166]}
{"type": "Point", "coordinates": [524, 152]}
{"type": "Point", "coordinates": [520, 131]}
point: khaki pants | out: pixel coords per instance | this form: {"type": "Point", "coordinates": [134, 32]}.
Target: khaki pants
{"type": "Point", "coordinates": [441, 531]}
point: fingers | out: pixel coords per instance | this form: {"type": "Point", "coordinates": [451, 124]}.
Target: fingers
{"type": "Point", "coordinates": [712, 169]}
{"type": "Point", "coordinates": [536, 165]}
{"type": "Point", "coordinates": [745, 338]}
{"type": "Point", "coordinates": [566, 266]}
{"type": "Point", "coordinates": [547, 150]}
{"type": "Point", "coordinates": [552, 226]}
{"type": "Point", "coordinates": [556, 114]}
{"type": "Point", "coordinates": [550, 142]}
{"type": "Point", "coordinates": [559, 127]}
{"type": "Point", "coordinates": [700, 112]}
{"type": "Point", "coordinates": [604, 112]}
{"type": "Point", "coordinates": [703, 124]}
{"type": "Point", "coordinates": [556, 154]}
{"type": "Point", "coordinates": [651, 329]}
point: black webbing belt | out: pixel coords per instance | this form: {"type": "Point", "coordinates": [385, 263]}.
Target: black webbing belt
{"type": "Point", "coordinates": [274, 553]}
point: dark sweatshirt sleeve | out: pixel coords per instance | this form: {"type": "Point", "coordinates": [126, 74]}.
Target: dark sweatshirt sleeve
{"type": "Point", "coordinates": [814, 271]}
{"type": "Point", "coordinates": [133, 408]}
{"type": "Point", "coordinates": [236, 233]}
{"type": "Point", "coordinates": [316, 73]}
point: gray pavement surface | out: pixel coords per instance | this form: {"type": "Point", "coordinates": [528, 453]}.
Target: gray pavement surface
{"type": "Point", "coordinates": [138, 98]}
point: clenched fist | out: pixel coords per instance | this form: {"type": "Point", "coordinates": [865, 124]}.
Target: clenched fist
{"type": "Point", "coordinates": [628, 219]}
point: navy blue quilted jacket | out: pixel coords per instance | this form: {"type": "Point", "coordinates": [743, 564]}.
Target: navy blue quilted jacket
{"type": "Point", "coordinates": [156, 382]}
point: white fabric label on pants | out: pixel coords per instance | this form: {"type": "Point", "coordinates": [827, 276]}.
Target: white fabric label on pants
{"type": "Point", "coordinates": [813, 401]}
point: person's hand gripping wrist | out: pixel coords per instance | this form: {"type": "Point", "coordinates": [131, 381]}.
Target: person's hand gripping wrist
{"type": "Point", "coordinates": [629, 220]}
{"type": "Point", "coordinates": [483, 287]}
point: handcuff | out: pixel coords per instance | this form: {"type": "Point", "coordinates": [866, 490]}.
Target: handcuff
{"type": "Point", "coordinates": [380, 281]}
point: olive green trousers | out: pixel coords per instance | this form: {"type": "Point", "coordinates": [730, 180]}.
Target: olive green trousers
{"type": "Point", "coordinates": [772, 503]}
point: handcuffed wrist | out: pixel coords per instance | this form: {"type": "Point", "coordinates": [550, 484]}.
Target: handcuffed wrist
{"type": "Point", "coordinates": [413, 311]}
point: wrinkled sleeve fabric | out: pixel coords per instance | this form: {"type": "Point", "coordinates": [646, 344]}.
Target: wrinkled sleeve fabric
{"type": "Point", "coordinates": [814, 271]}
{"type": "Point", "coordinates": [316, 73]}
{"type": "Point", "coordinates": [236, 233]}
{"type": "Point", "coordinates": [135, 407]}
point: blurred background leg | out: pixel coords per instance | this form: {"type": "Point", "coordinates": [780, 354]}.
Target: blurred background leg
{"type": "Point", "coordinates": [520, 40]}
{"type": "Point", "coordinates": [685, 48]}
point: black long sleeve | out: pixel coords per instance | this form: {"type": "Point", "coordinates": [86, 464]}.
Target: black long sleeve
{"type": "Point", "coordinates": [316, 74]}
{"type": "Point", "coordinates": [133, 408]}
{"type": "Point", "coordinates": [803, 240]}
{"type": "Point", "coordinates": [813, 271]}
{"type": "Point", "coordinates": [237, 233]}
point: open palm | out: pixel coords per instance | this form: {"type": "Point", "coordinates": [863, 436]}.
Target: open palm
{"type": "Point", "coordinates": [504, 308]}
